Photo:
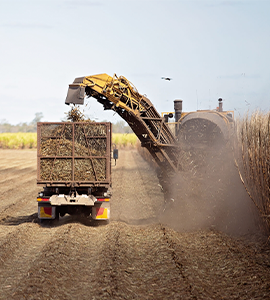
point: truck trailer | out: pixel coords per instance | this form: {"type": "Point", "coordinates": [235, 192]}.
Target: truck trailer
{"type": "Point", "coordinates": [74, 169]}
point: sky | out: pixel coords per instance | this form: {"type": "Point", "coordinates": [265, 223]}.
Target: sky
{"type": "Point", "coordinates": [210, 49]}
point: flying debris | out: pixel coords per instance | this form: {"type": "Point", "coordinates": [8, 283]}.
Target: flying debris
{"type": "Point", "coordinates": [166, 78]}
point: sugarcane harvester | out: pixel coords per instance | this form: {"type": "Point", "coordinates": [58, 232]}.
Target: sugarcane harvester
{"type": "Point", "coordinates": [118, 94]}
{"type": "Point", "coordinates": [74, 158]}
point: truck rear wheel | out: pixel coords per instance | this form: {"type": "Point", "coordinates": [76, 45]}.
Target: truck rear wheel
{"type": "Point", "coordinates": [87, 211]}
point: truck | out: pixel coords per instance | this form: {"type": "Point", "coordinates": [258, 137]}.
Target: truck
{"type": "Point", "coordinates": [74, 169]}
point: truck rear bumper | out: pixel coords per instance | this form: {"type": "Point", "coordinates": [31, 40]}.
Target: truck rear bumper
{"type": "Point", "coordinates": [67, 200]}
{"type": "Point", "coordinates": [51, 207]}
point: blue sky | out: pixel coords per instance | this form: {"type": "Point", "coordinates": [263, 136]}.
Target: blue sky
{"type": "Point", "coordinates": [211, 49]}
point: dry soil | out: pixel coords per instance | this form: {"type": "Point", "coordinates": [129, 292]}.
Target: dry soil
{"type": "Point", "coordinates": [135, 256]}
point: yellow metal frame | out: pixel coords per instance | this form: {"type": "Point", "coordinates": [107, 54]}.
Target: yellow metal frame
{"type": "Point", "coordinates": [115, 88]}
{"type": "Point", "coordinates": [143, 118]}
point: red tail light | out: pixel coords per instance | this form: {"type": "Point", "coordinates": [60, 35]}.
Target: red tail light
{"type": "Point", "coordinates": [103, 199]}
{"type": "Point", "coordinates": [41, 199]}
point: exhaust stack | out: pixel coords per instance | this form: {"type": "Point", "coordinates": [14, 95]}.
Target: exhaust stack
{"type": "Point", "coordinates": [220, 105]}
{"type": "Point", "coordinates": [177, 109]}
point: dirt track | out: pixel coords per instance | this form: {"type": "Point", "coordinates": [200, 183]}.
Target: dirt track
{"type": "Point", "coordinates": [133, 257]}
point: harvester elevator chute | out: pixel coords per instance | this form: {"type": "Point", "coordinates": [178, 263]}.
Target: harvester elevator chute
{"type": "Point", "coordinates": [118, 94]}
{"type": "Point", "coordinates": [153, 130]}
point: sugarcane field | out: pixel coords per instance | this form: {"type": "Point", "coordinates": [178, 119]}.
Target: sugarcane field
{"type": "Point", "coordinates": [135, 150]}
{"type": "Point", "coordinates": [199, 232]}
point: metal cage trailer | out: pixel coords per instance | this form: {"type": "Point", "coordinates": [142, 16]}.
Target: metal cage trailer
{"type": "Point", "coordinates": [74, 168]}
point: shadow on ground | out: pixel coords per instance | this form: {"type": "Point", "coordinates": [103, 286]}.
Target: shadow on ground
{"type": "Point", "coordinates": [14, 221]}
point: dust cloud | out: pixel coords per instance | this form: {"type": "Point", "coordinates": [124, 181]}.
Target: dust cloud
{"type": "Point", "coordinates": [208, 192]}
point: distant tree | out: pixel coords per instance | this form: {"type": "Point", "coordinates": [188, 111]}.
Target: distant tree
{"type": "Point", "coordinates": [38, 117]}
{"type": "Point", "coordinates": [5, 126]}
{"type": "Point", "coordinates": [21, 127]}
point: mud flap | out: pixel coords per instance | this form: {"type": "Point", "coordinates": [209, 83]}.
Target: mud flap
{"type": "Point", "coordinates": [101, 211]}
{"type": "Point", "coordinates": [46, 212]}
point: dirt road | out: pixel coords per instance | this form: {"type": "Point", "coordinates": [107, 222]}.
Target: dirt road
{"type": "Point", "coordinates": [133, 257]}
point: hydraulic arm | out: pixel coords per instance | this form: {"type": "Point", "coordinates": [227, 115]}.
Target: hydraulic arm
{"type": "Point", "coordinates": [118, 94]}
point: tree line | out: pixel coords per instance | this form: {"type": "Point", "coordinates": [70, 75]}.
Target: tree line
{"type": "Point", "coordinates": [118, 127]}
{"type": "Point", "coordinates": [21, 127]}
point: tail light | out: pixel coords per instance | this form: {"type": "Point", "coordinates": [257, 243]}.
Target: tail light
{"type": "Point", "coordinates": [103, 199]}
{"type": "Point", "coordinates": [43, 199]}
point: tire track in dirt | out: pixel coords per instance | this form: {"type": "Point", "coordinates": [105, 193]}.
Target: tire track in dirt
{"type": "Point", "coordinates": [137, 198]}
{"type": "Point", "coordinates": [12, 165]}
{"type": "Point", "coordinates": [18, 249]}
{"type": "Point", "coordinates": [117, 261]}
{"type": "Point", "coordinates": [10, 158]}
{"type": "Point", "coordinates": [18, 193]}
{"type": "Point", "coordinates": [68, 267]}
{"type": "Point", "coordinates": [178, 262]}
{"type": "Point", "coordinates": [219, 267]}
{"type": "Point", "coordinates": [139, 265]}
{"type": "Point", "coordinates": [22, 202]}
{"type": "Point", "coordinates": [73, 260]}
{"type": "Point", "coordinates": [10, 173]}
{"type": "Point", "coordinates": [17, 182]}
